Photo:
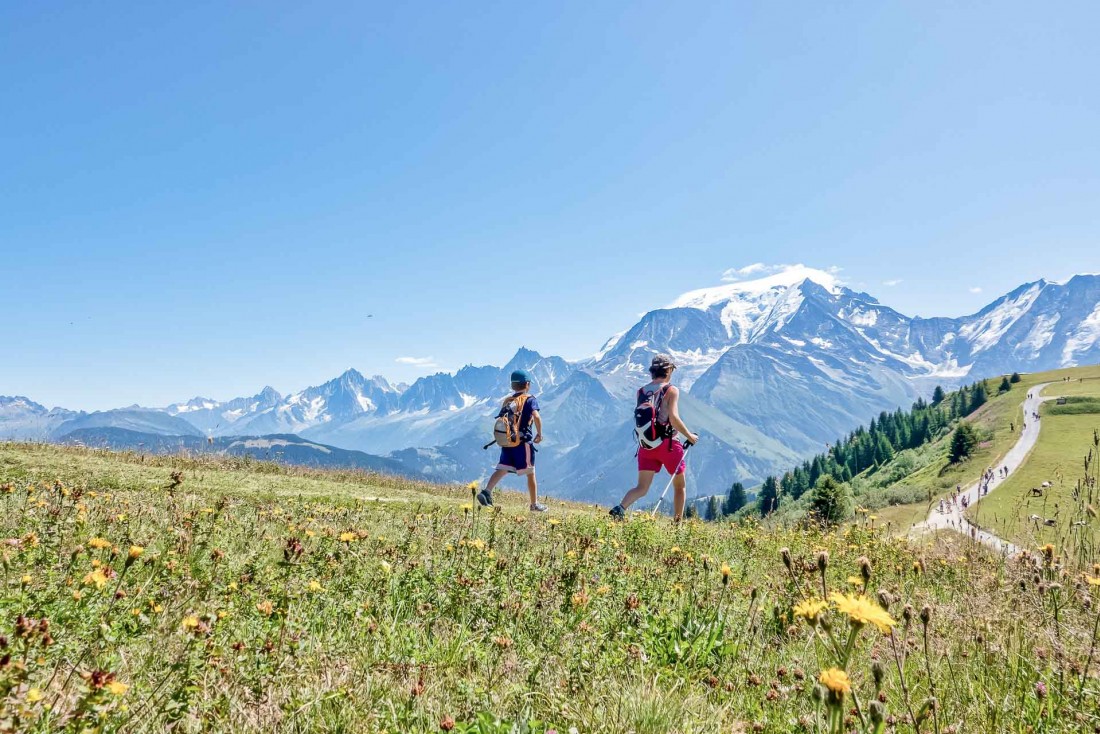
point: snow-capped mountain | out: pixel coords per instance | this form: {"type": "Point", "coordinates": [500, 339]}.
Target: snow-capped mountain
{"type": "Point", "coordinates": [23, 419]}
{"type": "Point", "coordinates": [771, 369]}
{"type": "Point", "coordinates": [337, 401]}
{"type": "Point", "coordinates": [212, 416]}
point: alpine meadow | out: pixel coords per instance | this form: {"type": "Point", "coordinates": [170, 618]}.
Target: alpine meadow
{"type": "Point", "coordinates": [549, 368]}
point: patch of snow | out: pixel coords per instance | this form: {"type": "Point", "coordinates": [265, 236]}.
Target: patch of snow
{"type": "Point", "coordinates": [987, 331]}
{"type": "Point", "coordinates": [1041, 334]}
{"type": "Point", "coordinates": [823, 343]}
{"type": "Point", "coordinates": [365, 403]}
{"type": "Point", "coordinates": [796, 342]}
{"type": "Point", "coordinates": [1084, 338]}
{"type": "Point", "coordinates": [860, 317]}
{"type": "Point", "coordinates": [609, 345]}
{"type": "Point", "coordinates": [704, 298]}
{"type": "Point", "coordinates": [639, 345]}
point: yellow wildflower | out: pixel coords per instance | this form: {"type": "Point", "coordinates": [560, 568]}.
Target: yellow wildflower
{"type": "Point", "coordinates": [855, 581]}
{"type": "Point", "coordinates": [190, 622]}
{"type": "Point", "coordinates": [117, 688]}
{"type": "Point", "coordinates": [315, 586]}
{"type": "Point", "coordinates": [265, 608]}
{"type": "Point", "coordinates": [99, 543]}
{"type": "Point", "coordinates": [26, 579]}
{"type": "Point", "coordinates": [386, 567]}
{"type": "Point", "coordinates": [478, 543]}
{"type": "Point", "coordinates": [34, 695]}
{"type": "Point", "coordinates": [554, 522]}
{"type": "Point", "coordinates": [1093, 580]}
{"type": "Point", "coordinates": [836, 680]}
{"type": "Point", "coordinates": [135, 552]}
{"type": "Point", "coordinates": [96, 577]}
{"type": "Point", "coordinates": [77, 595]}
{"type": "Point", "coordinates": [861, 610]}
{"type": "Point", "coordinates": [810, 609]}
{"type": "Point", "coordinates": [348, 537]}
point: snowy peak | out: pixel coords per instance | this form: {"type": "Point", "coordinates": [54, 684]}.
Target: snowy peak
{"type": "Point", "coordinates": [19, 406]}
{"type": "Point", "coordinates": [784, 278]}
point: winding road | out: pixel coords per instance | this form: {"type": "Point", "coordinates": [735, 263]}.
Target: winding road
{"type": "Point", "coordinates": [953, 517]}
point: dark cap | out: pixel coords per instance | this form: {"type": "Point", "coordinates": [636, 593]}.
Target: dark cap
{"type": "Point", "coordinates": [520, 377]}
{"type": "Point", "coordinates": [662, 362]}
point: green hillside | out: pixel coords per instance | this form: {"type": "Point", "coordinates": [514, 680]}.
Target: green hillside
{"type": "Point", "coordinates": [925, 475]}
{"type": "Point", "coordinates": [1068, 435]}
{"type": "Point", "coordinates": [225, 595]}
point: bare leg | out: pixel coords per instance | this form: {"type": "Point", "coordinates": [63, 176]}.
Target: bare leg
{"type": "Point", "coordinates": [494, 480]}
{"type": "Point", "coordinates": [679, 498]}
{"type": "Point", "coordinates": [645, 479]}
{"type": "Point", "coordinates": [532, 488]}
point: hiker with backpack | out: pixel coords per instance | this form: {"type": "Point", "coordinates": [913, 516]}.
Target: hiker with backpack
{"type": "Point", "coordinates": [512, 432]}
{"type": "Point", "coordinates": [657, 423]}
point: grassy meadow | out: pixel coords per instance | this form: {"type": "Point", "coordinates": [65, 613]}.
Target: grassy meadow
{"type": "Point", "coordinates": [183, 595]}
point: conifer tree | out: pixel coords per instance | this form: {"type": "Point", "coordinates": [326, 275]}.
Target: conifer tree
{"type": "Point", "coordinates": [769, 496]}
{"type": "Point", "coordinates": [735, 500]}
{"type": "Point", "coordinates": [1015, 378]}
{"type": "Point", "coordinates": [713, 512]}
{"type": "Point", "coordinates": [963, 443]}
{"type": "Point", "coordinates": [831, 501]}
{"type": "Point", "coordinates": [938, 395]}
{"type": "Point", "coordinates": [978, 397]}
{"type": "Point", "coordinates": [1005, 385]}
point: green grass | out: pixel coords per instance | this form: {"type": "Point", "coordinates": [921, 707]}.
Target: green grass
{"type": "Point", "coordinates": [1079, 405]}
{"type": "Point", "coordinates": [1065, 439]}
{"type": "Point", "coordinates": [261, 598]}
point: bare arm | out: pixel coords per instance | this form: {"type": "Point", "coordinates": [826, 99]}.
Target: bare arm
{"type": "Point", "coordinates": [537, 420]}
{"type": "Point", "coordinates": [673, 398]}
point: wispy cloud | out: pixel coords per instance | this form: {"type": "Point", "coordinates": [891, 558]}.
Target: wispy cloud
{"type": "Point", "coordinates": [892, 282]}
{"type": "Point", "coordinates": [976, 289]}
{"type": "Point", "coordinates": [762, 270]}
{"type": "Point", "coordinates": [424, 363]}
{"type": "Point", "coordinates": [735, 274]}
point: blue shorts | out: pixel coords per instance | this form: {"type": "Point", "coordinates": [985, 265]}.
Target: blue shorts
{"type": "Point", "coordinates": [519, 460]}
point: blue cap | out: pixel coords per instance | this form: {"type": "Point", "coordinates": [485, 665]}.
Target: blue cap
{"type": "Point", "coordinates": [521, 376]}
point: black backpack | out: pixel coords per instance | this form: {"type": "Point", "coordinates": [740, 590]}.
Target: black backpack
{"type": "Point", "coordinates": [649, 431]}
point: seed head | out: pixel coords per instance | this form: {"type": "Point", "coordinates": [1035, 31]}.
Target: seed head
{"type": "Point", "coordinates": [822, 560]}
{"type": "Point", "coordinates": [925, 615]}
{"type": "Point", "coordinates": [785, 554]}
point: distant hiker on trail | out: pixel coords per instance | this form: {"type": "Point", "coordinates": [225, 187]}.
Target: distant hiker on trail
{"type": "Point", "coordinates": [512, 433]}
{"type": "Point", "coordinates": [658, 421]}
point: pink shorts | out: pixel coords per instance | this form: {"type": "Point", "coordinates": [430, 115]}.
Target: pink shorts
{"type": "Point", "coordinates": [669, 455]}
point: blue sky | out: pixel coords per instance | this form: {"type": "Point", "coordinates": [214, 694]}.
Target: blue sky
{"type": "Point", "coordinates": [204, 198]}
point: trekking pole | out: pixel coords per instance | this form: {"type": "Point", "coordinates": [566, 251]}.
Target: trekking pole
{"type": "Point", "coordinates": [671, 479]}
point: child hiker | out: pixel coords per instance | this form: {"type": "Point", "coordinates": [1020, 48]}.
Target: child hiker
{"type": "Point", "coordinates": [519, 459]}
{"type": "Point", "coordinates": [657, 420]}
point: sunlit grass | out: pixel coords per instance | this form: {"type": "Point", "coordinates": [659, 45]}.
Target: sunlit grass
{"type": "Point", "coordinates": [134, 602]}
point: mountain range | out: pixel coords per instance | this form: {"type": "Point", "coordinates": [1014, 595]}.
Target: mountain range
{"type": "Point", "coordinates": [771, 370]}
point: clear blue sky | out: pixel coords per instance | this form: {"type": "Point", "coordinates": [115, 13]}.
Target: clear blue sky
{"type": "Point", "coordinates": [204, 198]}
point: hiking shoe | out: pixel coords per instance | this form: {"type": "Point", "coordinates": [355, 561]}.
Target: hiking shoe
{"type": "Point", "coordinates": [617, 513]}
{"type": "Point", "coordinates": [484, 498]}
{"type": "Point", "coordinates": [538, 507]}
